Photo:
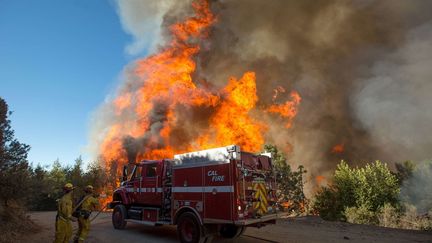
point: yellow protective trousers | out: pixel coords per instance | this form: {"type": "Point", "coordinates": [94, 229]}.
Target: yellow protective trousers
{"type": "Point", "coordinates": [63, 231]}
{"type": "Point", "coordinates": [83, 230]}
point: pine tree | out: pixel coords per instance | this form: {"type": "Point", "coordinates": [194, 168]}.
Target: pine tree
{"type": "Point", "coordinates": [14, 167]}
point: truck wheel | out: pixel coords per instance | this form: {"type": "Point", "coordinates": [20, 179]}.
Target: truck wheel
{"type": "Point", "coordinates": [119, 216]}
{"type": "Point", "coordinates": [241, 231]}
{"type": "Point", "coordinates": [231, 231]}
{"type": "Point", "coordinates": [189, 229]}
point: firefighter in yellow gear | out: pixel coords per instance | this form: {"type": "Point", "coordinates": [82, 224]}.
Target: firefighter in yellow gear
{"type": "Point", "coordinates": [63, 226]}
{"type": "Point", "coordinates": [89, 203]}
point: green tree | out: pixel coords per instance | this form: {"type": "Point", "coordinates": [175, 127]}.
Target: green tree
{"type": "Point", "coordinates": [96, 176]}
{"type": "Point", "coordinates": [290, 183]}
{"type": "Point", "coordinates": [40, 198]}
{"type": "Point", "coordinates": [14, 167]}
{"type": "Point", "coordinates": [47, 184]}
{"type": "Point", "coordinates": [56, 179]}
{"type": "Point", "coordinates": [57, 173]}
{"type": "Point", "coordinates": [75, 175]}
{"type": "Point", "coordinates": [377, 186]}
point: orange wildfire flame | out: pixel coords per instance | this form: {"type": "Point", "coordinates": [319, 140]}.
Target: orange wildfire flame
{"type": "Point", "coordinates": [287, 110]}
{"type": "Point", "coordinates": [166, 78]}
{"type": "Point", "coordinates": [320, 179]}
{"type": "Point", "coordinates": [277, 91]}
{"type": "Point", "coordinates": [339, 148]}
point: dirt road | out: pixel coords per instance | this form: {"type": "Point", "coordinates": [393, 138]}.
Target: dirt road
{"type": "Point", "coordinates": [305, 229]}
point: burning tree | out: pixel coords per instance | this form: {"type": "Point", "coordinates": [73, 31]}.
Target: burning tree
{"type": "Point", "coordinates": [164, 107]}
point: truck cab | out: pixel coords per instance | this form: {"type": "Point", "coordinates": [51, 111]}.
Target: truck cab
{"type": "Point", "coordinates": [143, 182]}
{"type": "Point", "coordinates": [142, 191]}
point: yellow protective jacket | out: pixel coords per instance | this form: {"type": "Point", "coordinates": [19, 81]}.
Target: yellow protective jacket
{"type": "Point", "coordinates": [64, 210]}
{"type": "Point", "coordinates": [90, 203]}
{"type": "Point", "coordinates": [63, 226]}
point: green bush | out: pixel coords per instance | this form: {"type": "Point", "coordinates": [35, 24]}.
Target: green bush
{"type": "Point", "coordinates": [356, 193]}
{"type": "Point", "coordinates": [328, 204]}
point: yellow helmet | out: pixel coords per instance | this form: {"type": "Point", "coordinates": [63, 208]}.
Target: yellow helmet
{"type": "Point", "coordinates": [68, 186]}
{"type": "Point", "coordinates": [89, 188]}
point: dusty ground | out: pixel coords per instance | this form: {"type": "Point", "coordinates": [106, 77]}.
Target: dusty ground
{"type": "Point", "coordinates": [305, 229]}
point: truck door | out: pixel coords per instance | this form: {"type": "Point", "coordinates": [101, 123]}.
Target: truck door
{"type": "Point", "coordinates": [132, 184]}
{"type": "Point", "coordinates": [218, 192]}
{"type": "Point", "coordinates": [150, 191]}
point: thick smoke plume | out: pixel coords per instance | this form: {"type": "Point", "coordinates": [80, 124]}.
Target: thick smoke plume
{"type": "Point", "coordinates": [362, 69]}
{"type": "Point", "coordinates": [333, 53]}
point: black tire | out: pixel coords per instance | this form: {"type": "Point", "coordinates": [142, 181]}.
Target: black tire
{"type": "Point", "coordinates": [118, 217]}
{"type": "Point", "coordinates": [230, 231]}
{"type": "Point", "coordinates": [241, 231]}
{"type": "Point", "coordinates": [189, 229]}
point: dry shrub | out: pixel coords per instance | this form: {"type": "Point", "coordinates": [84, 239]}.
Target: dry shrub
{"type": "Point", "coordinates": [15, 223]}
{"type": "Point", "coordinates": [412, 220]}
{"type": "Point", "coordinates": [389, 216]}
{"type": "Point", "coordinates": [409, 218]}
{"type": "Point", "coordinates": [360, 215]}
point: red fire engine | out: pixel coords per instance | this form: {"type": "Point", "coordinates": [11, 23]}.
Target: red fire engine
{"type": "Point", "coordinates": [221, 190]}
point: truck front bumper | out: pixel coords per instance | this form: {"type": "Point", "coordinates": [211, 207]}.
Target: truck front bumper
{"type": "Point", "coordinates": [112, 204]}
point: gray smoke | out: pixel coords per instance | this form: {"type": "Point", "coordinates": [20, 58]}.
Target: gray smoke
{"type": "Point", "coordinates": [394, 104]}
{"type": "Point", "coordinates": [416, 190]}
{"type": "Point", "coordinates": [362, 69]}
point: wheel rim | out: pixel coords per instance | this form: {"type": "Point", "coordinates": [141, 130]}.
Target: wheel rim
{"type": "Point", "coordinates": [188, 230]}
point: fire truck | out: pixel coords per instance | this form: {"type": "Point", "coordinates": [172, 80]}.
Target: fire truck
{"type": "Point", "coordinates": [204, 193]}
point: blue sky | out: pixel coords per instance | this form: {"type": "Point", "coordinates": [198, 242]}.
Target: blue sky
{"type": "Point", "coordinates": [58, 62]}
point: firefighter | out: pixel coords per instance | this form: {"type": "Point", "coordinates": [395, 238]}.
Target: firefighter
{"type": "Point", "coordinates": [88, 204]}
{"type": "Point", "coordinates": [63, 226]}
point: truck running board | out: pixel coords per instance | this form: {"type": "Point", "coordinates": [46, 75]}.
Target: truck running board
{"type": "Point", "coordinates": [148, 223]}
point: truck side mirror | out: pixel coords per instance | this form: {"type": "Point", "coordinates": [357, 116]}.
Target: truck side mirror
{"type": "Point", "coordinates": [124, 173]}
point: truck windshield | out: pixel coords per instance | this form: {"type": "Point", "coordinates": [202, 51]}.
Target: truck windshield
{"type": "Point", "coordinates": [136, 173]}
{"type": "Point", "coordinates": [151, 170]}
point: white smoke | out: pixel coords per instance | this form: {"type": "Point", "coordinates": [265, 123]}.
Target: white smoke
{"type": "Point", "coordinates": [142, 19]}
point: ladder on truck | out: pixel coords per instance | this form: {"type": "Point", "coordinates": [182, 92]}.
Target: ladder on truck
{"type": "Point", "coordinates": [166, 193]}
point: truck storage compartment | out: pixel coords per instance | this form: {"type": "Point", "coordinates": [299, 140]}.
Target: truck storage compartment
{"type": "Point", "coordinates": [150, 214]}
{"type": "Point", "coordinates": [135, 213]}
